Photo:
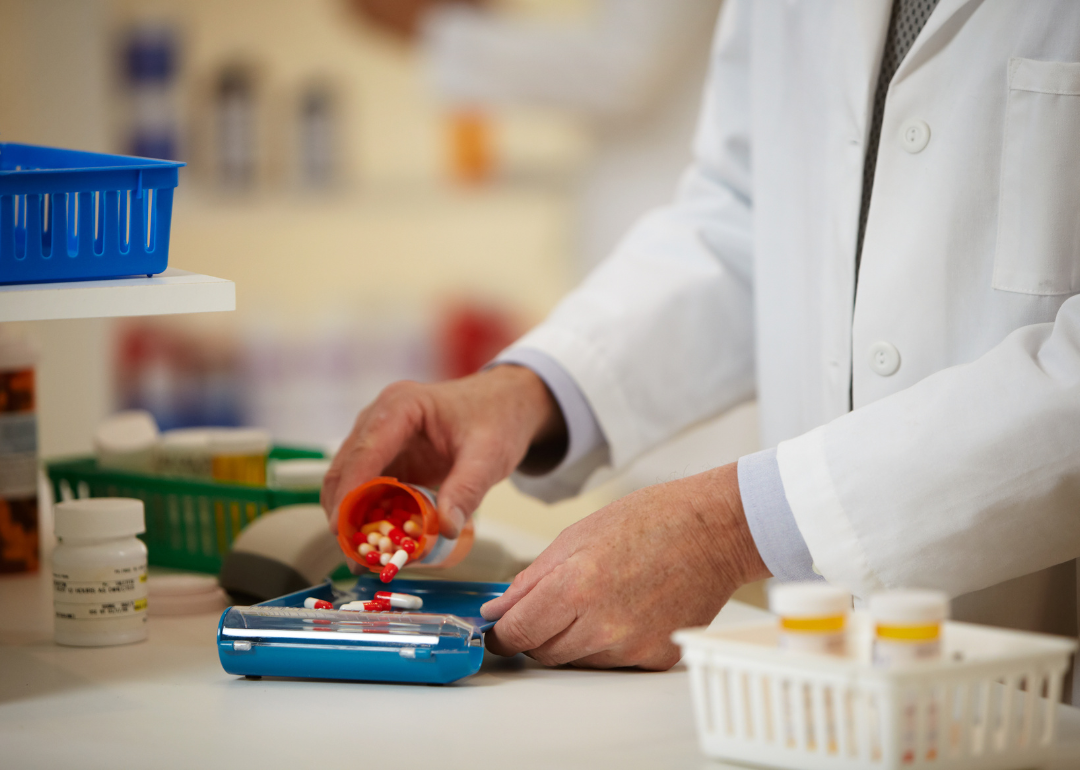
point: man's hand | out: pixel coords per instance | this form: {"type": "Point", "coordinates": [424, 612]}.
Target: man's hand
{"type": "Point", "coordinates": [465, 435]}
{"type": "Point", "coordinates": [610, 590]}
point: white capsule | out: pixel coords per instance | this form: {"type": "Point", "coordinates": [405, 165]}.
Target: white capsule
{"type": "Point", "coordinates": [366, 548]}
{"type": "Point", "coordinates": [401, 601]}
{"type": "Point", "coordinates": [385, 558]}
{"type": "Point", "coordinates": [411, 528]}
{"type": "Point", "coordinates": [358, 606]}
{"type": "Point", "coordinates": [386, 527]}
{"type": "Point", "coordinates": [399, 559]}
{"type": "Point", "coordinates": [386, 545]}
{"type": "Point", "coordinates": [374, 537]}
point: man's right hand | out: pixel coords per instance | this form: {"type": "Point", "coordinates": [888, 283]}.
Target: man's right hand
{"type": "Point", "coordinates": [463, 436]}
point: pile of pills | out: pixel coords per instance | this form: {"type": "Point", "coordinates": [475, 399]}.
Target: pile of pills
{"type": "Point", "coordinates": [384, 601]}
{"type": "Point", "coordinates": [389, 542]}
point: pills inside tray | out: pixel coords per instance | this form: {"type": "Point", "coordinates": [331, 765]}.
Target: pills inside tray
{"type": "Point", "coordinates": [440, 643]}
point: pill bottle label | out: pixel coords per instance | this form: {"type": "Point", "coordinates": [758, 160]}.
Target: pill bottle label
{"type": "Point", "coordinates": [896, 653]}
{"type": "Point", "coordinates": [18, 454]}
{"type": "Point", "coordinates": [821, 635]}
{"type": "Point", "coordinates": [100, 593]}
{"type": "Point", "coordinates": [821, 644]}
{"type": "Point", "coordinates": [18, 472]}
{"type": "Point", "coordinates": [240, 469]}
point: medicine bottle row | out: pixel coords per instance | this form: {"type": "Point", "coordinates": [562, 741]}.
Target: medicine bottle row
{"type": "Point", "coordinates": [907, 623]}
{"type": "Point", "coordinates": [906, 629]}
{"type": "Point", "coordinates": [130, 441]}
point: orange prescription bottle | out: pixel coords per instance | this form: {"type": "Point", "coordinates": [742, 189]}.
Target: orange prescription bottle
{"type": "Point", "coordinates": [379, 498]}
{"type": "Point", "coordinates": [18, 457]}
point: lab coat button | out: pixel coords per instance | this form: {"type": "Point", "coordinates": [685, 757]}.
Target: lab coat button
{"type": "Point", "coordinates": [884, 358]}
{"type": "Point", "coordinates": [914, 135]}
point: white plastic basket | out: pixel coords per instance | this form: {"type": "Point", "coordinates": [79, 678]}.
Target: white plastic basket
{"type": "Point", "coordinates": [989, 703]}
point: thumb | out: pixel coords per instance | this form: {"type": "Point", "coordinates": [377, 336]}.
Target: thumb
{"type": "Point", "coordinates": [478, 467]}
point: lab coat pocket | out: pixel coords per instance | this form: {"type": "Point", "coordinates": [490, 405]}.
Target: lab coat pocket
{"type": "Point", "coordinates": [1038, 238]}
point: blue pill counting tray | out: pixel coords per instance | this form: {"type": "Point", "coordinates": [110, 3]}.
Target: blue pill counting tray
{"type": "Point", "coordinates": [441, 643]}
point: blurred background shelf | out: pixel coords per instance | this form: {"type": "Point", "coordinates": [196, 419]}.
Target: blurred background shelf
{"type": "Point", "coordinates": [174, 291]}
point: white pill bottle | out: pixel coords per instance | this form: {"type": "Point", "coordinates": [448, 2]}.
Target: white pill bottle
{"type": "Point", "coordinates": [813, 616]}
{"type": "Point", "coordinates": [907, 625]}
{"type": "Point", "coordinates": [99, 572]}
{"type": "Point", "coordinates": [907, 630]}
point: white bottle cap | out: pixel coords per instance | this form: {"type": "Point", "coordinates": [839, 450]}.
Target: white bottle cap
{"type": "Point", "coordinates": [239, 441]}
{"type": "Point", "coordinates": [186, 439]}
{"type": "Point", "coordinates": [297, 474]}
{"type": "Point", "coordinates": [178, 594]}
{"type": "Point", "coordinates": [909, 606]}
{"type": "Point", "coordinates": [811, 599]}
{"type": "Point", "coordinates": [130, 431]}
{"type": "Point", "coordinates": [102, 517]}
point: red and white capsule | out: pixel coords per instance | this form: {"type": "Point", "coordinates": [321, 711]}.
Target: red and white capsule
{"type": "Point", "coordinates": [374, 605]}
{"type": "Point", "coordinates": [312, 603]}
{"type": "Point", "coordinates": [401, 601]}
{"type": "Point", "coordinates": [397, 561]}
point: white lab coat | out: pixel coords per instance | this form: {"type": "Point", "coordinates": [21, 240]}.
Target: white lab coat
{"type": "Point", "coordinates": [961, 469]}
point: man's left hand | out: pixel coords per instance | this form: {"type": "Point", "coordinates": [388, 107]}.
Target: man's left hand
{"type": "Point", "coordinates": [611, 589]}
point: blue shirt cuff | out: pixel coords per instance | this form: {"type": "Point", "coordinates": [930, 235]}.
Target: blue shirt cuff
{"type": "Point", "coordinates": [583, 431]}
{"type": "Point", "coordinates": [772, 524]}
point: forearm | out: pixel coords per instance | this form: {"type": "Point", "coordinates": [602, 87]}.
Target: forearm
{"type": "Point", "coordinates": [722, 534]}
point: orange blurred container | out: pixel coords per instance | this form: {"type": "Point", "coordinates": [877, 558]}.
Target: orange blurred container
{"type": "Point", "coordinates": [472, 159]}
{"type": "Point", "coordinates": [376, 499]}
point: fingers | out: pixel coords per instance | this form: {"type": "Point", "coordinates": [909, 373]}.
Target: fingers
{"type": "Point", "coordinates": [554, 555]}
{"type": "Point", "coordinates": [540, 615]}
{"type": "Point", "coordinates": [380, 433]}
{"type": "Point", "coordinates": [481, 463]}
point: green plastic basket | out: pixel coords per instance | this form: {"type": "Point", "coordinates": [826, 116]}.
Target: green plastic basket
{"type": "Point", "coordinates": [190, 524]}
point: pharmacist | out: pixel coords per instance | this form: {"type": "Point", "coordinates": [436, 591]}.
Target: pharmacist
{"type": "Point", "coordinates": [880, 236]}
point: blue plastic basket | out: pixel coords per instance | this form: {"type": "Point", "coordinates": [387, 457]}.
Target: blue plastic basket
{"type": "Point", "coordinates": [67, 215]}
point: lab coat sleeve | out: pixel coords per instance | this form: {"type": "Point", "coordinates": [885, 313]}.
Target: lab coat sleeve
{"type": "Point", "coordinates": [659, 336]}
{"type": "Point", "coordinates": [770, 519]}
{"type": "Point", "coordinates": [966, 479]}
{"type": "Point", "coordinates": [586, 448]}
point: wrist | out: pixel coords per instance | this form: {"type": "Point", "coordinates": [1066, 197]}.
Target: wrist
{"type": "Point", "coordinates": [727, 546]}
{"type": "Point", "coordinates": [531, 399]}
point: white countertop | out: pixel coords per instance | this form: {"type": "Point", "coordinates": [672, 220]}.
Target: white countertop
{"type": "Point", "coordinates": [167, 703]}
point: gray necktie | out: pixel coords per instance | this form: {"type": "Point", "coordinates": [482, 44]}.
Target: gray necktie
{"type": "Point", "coordinates": [905, 23]}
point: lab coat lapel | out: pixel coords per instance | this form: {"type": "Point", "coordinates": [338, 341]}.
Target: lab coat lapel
{"type": "Point", "coordinates": [947, 18]}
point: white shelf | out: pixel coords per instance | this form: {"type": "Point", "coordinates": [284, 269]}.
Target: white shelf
{"type": "Point", "coordinates": [174, 291]}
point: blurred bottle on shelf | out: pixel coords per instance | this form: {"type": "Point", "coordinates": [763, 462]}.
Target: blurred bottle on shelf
{"type": "Point", "coordinates": [235, 126]}
{"type": "Point", "coordinates": [317, 135]}
{"type": "Point", "coordinates": [472, 155]}
{"type": "Point", "coordinates": [469, 335]}
{"type": "Point", "coordinates": [150, 68]}
{"type": "Point", "coordinates": [180, 376]}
